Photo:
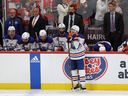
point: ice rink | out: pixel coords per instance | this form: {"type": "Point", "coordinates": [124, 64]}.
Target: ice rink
{"type": "Point", "coordinates": [61, 93]}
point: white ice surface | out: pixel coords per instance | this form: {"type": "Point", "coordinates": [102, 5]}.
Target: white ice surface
{"type": "Point", "coordinates": [61, 93]}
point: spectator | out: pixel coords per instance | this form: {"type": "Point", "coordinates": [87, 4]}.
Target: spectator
{"type": "Point", "coordinates": [102, 46]}
{"type": "Point", "coordinates": [60, 41]}
{"type": "Point", "coordinates": [101, 9]}
{"type": "Point", "coordinates": [36, 23]}
{"type": "Point", "coordinates": [62, 9]}
{"type": "Point", "coordinates": [45, 43]}
{"type": "Point", "coordinates": [118, 8]}
{"type": "Point", "coordinates": [73, 19]}
{"type": "Point", "coordinates": [113, 26]}
{"type": "Point", "coordinates": [11, 40]}
{"type": "Point", "coordinates": [26, 43]}
{"type": "Point", "coordinates": [124, 7]}
{"type": "Point", "coordinates": [84, 11]}
{"type": "Point", "coordinates": [24, 14]}
{"type": "Point", "coordinates": [13, 20]}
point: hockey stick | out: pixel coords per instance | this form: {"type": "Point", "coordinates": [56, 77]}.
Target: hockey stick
{"type": "Point", "coordinates": [70, 66]}
{"type": "Point", "coordinates": [36, 45]}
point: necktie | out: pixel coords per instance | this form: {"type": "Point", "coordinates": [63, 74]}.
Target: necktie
{"type": "Point", "coordinates": [33, 21]}
{"type": "Point", "coordinates": [113, 23]}
{"type": "Point", "coordinates": [71, 21]}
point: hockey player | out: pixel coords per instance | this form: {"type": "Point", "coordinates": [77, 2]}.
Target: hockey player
{"type": "Point", "coordinates": [26, 43]}
{"type": "Point", "coordinates": [123, 47]}
{"type": "Point", "coordinates": [45, 42]}
{"type": "Point", "coordinates": [11, 39]}
{"type": "Point", "coordinates": [76, 56]}
{"type": "Point", "coordinates": [102, 46]}
{"type": "Point", "coordinates": [60, 41]}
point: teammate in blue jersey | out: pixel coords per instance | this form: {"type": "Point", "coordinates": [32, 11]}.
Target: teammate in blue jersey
{"type": "Point", "coordinates": [102, 46]}
{"type": "Point", "coordinates": [45, 43]}
{"type": "Point", "coordinates": [11, 40]}
{"type": "Point", "coordinates": [26, 43]}
{"type": "Point", "coordinates": [77, 51]}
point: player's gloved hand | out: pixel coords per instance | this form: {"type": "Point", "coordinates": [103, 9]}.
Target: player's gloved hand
{"type": "Point", "coordinates": [59, 49]}
{"type": "Point", "coordinates": [71, 36]}
{"type": "Point", "coordinates": [125, 50]}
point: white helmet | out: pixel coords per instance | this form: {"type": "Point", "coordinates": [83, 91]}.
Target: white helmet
{"type": "Point", "coordinates": [75, 28]}
{"type": "Point", "coordinates": [126, 42]}
{"type": "Point", "coordinates": [10, 28]}
{"type": "Point", "coordinates": [61, 25]}
{"type": "Point", "coordinates": [82, 1]}
{"type": "Point", "coordinates": [25, 35]}
{"type": "Point", "coordinates": [101, 48]}
{"type": "Point", "coordinates": [42, 33]}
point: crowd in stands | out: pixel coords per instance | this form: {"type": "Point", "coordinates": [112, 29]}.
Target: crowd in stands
{"type": "Point", "coordinates": [34, 36]}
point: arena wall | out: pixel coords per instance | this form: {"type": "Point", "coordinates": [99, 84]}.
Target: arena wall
{"type": "Point", "coordinates": [51, 71]}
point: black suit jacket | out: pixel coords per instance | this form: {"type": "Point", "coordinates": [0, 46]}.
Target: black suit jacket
{"type": "Point", "coordinates": [40, 24]}
{"type": "Point", "coordinates": [78, 20]}
{"type": "Point", "coordinates": [1, 35]}
{"type": "Point", "coordinates": [119, 25]}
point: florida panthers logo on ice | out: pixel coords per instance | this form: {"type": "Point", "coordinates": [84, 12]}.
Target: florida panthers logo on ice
{"type": "Point", "coordinates": [95, 67]}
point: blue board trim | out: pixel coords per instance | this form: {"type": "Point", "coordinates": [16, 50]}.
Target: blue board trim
{"type": "Point", "coordinates": [35, 76]}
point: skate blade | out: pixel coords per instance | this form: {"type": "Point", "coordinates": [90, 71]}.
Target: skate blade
{"type": "Point", "coordinates": [76, 90]}
{"type": "Point", "coordinates": [82, 90]}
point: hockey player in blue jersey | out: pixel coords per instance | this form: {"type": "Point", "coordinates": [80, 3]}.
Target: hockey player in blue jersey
{"type": "Point", "coordinates": [45, 42]}
{"type": "Point", "coordinates": [10, 40]}
{"type": "Point", "coordinates": [26, 43]}
{"type": "Point", "coordinates": [102, 46]}
{"type": "Point", "coordinates": [77, 51]}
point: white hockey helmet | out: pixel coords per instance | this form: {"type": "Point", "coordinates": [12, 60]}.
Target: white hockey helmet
{"type": "Point", "coordinates": [82, 1]}
{"type": "Point", "coordinates": [125, 42]}
{"type": "Point", "coordinates": [25, 35]}
{"type": "Point", "coordinates": [61, 25]}
{"type": "Point", "coordinates": [11, 28]}
{"type": "Point", "coordinates": [75, 28]}
{"type": "Point", "coordinates": [42, 33]}
{"type": "Point", "coordinates": [101, 48]}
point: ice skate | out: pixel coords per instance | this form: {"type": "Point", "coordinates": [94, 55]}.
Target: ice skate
{"type": "Point", "coordinates": [82, 88]}
{"type": "Point", "coordinates": [76, 88]}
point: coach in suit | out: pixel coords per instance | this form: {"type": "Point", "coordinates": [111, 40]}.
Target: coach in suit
{"type": "Point", "coordinates": [113, 26]}
{"type": "Point", "coordinates": [73, 18]}
{"type": "Point", "coordinates": [36, 23]}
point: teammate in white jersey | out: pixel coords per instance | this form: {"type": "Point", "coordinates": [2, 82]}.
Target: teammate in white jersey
{"type": "Point", "coordinates": [27, 43]}
{"type": "Point", "coordinates": [60, 40]}
{"type": "Point", "coordinates": [77, 51]}
{"type": "Point", "coordinates": [10, 40]}
{"type": "Point", "coordinates": [45, 42]}
{"type": "Point", "coordinates": [102, 46]}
